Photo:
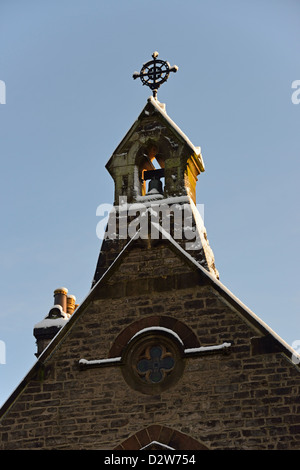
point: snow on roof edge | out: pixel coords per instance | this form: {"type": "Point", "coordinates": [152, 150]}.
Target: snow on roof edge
{"type": "Point", "coordinates": [221, 286]}
{"type": "Point", "coordinates": [156, 104]}
{"type": "Point", "coordinates": [163, 112]}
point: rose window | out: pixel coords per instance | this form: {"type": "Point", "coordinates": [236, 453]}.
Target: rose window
{"type": "Point", "coordinates": [153, 361]}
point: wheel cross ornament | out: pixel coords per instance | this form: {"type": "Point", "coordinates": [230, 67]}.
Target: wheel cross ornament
{"type": "Point", "coordinates": [154, 73]}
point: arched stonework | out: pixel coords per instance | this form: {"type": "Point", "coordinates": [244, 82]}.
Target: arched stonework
{"type": "Point", "coordinates": [160, 436]}
{"type": "Point", "coordinates": [181, 160]}
{"type": "Point", "coordinates": [146, 157]}
{"type": "Point", "coordinates": [187, 336]}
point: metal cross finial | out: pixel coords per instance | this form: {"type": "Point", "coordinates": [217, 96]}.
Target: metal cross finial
{"type": "Point", "coordinates": [155, 73]}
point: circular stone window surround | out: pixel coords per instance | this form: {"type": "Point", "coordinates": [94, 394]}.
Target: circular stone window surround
{"type": "Point", "coordinates": [153, 360]}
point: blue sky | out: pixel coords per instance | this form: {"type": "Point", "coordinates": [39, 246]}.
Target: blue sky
{"type": "Point", "coordinates": [70, 99]}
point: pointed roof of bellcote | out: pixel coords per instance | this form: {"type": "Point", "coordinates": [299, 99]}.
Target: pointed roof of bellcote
{"type": "Point", "coordinates": [154, 107]}
{"type": "Point", "coordinates": [155, 135]}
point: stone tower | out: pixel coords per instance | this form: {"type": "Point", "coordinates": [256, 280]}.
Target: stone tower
{"type": "Point", "coordinates": [160, 354]}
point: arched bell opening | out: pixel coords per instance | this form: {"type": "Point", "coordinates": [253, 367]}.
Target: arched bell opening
{"type": "Point", "coordinates": [151, 173]}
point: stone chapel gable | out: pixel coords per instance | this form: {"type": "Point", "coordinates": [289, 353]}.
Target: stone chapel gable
{"type": "Point", "coordinates": [160, 355]}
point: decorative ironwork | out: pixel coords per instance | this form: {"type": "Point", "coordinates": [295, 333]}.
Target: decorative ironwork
{"type": "Point", "coordinates": [156, 363]}
{"type": "Point", "coordinates": [154, 73]}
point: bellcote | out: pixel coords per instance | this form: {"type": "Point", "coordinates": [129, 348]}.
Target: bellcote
{"type": "Point", "coordinates": [155, 156]}
{"type": "Point", "coordinates": [156, 166]}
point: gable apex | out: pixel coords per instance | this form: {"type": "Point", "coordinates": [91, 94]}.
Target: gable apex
{"type": "Point", "coordinates": [206, 278]}
{"type": "Point", "coordinates": [154, 148]}
{"type": "Point", "coordinates": [157, 109]}
{"type": "Point", "coordinates": [277, 343]}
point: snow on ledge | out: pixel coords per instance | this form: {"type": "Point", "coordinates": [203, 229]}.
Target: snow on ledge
{"type": "Point", "coordinates": [116, 360]}
{"type": "Point", "coordinates": [49, 322]}
{"type": "Point", "coordinates": [154, 329]}
{"type": "Point", "coordinates": [99, 362]}
{"type": "Point", "coordinates": [202, 349]}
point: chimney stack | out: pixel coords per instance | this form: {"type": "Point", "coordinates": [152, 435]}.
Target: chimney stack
{"type": "Point", "coordinates": [59, 314]}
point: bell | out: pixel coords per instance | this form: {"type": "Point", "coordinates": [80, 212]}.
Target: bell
{"type": "Point", "coordinates": [155, 186]}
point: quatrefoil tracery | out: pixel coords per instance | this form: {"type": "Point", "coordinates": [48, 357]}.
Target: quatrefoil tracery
{"type": "Point", "coordinates": [155, 364]}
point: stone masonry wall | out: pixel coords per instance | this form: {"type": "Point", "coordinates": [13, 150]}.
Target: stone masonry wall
{"type": "Point", "coordinates": [237, 401]}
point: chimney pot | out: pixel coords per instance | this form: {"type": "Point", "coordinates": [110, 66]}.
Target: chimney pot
{"type": "Point", "coordinates": [71, 299]}
{"type": "Point", "coordinates": [60, 298]}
